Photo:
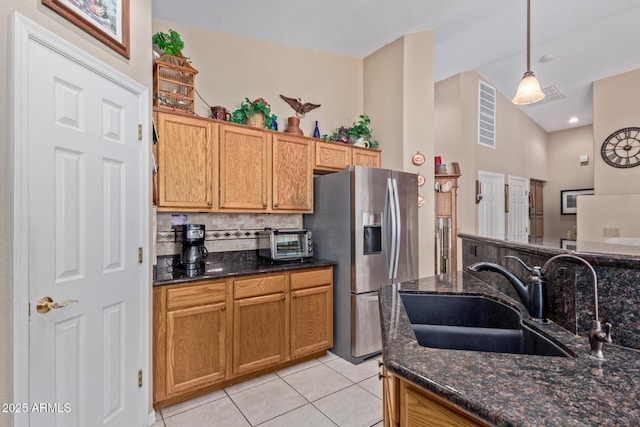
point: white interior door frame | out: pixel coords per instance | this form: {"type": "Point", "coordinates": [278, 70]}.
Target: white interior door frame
{"type": "Point", "coordinates": [26, 32]}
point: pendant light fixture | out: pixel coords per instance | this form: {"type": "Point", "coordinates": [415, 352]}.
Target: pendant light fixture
{"type": "Point", "coordinates": [529, 89]}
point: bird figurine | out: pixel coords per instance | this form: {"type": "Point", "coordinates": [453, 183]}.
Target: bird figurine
{"type": "Point", "coordinates": [297, 105]}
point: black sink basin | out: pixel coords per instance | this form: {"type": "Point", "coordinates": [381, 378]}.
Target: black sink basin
{"type": "Point", "coordinates": [466, 322]}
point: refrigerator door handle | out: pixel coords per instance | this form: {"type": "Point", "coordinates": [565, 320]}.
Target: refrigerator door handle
{"type": "Point", "coordinates": [392, 210]}
{"type": "Point", "coordinates": [398, 221]}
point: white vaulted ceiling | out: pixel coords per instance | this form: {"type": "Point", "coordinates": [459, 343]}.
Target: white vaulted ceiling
{"type": "Point", "coordinates": [589, 39]}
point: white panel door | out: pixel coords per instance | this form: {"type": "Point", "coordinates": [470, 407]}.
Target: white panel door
{"type": "Point", "coordinates": [518, 216]}
{"type": "Point", "coordinates": [83, 238]}
{"type": "Point", "coordinates": [491, 207]}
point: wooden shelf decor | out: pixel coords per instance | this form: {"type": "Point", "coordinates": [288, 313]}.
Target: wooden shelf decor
{"type": "Point", "coordinates": [174, 83]}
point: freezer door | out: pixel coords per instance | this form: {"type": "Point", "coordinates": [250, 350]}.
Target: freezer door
{"type": "Point", "coordinates": [371, 233]}
{"type": "Point", "coordinates": [407, 256]}
{"type": "Point", "coordinates": [365, 325]}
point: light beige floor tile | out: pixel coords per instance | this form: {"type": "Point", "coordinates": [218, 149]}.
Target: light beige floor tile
{"type": "Point", "coordinates": [380, 424]}
{"type": "Point", "coordinates": [244, 385]}
{"type": "Point", "coordinates": [372, 385]}
{"type": "Point", "coordinates": [355, 373]}
{"type": "Point", "coordinates": [327, 357]}
{"type": "Point", "coordinates": [317, 381]}
{"type": "Point", "coordinates": [297, 368]}
{"type": "Point", "coordinates": [192, 403]}
{"type": "Point", "coordinates": [220, 413]}
{"type": "Point", "coordinates": [351, 407]}
{"type": "Point", "coordinates": [268, 400]}
{"type": "Point", "coordinates": [307, 416]}
{"type": "Point", "coordinates": [159, 423]}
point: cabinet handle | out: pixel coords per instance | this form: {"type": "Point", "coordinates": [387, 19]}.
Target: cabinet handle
{"type": "Point", "coordinates": [264, 205]}
{"type": "Point", "coordinates": [275, 205]}
{"type": "Point", "coordinates": [223, 308]}
{"type": "Point", "coordinates": [294, 296]}
{"type": "Point", "coordinates": [380, 363]}
{"type": "Point", "coordinates": [209, 203]}
{"type": "Point", "coordinates": [283, 297]}
{"type": "Point", "coordinates": [380, 376]}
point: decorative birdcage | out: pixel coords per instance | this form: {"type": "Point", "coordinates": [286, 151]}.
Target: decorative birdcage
{"type": "Point", "coordinates": [174, 83]}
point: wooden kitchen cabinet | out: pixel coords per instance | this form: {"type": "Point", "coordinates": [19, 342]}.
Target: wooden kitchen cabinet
{"type": "Point", "coordinates": [186, 160]}
{"type": "Point", "coordinates": [331, 156]}
{"type": "Point", "coordinates": [292, 177]}
{"type": "Point", "coordinates": [245, 174]}
{"type": "Point", "coordinates": [191, 338]}
{"type": "Point", "coordinates": [260, 323]}
{"type": "Point", "coordinates": [417, 407]}
{"type": "Point", "coordinates": [210, 334]}
{"type": "Point", "coordinates": [365, 157]}
{"type": "Point", "coordinates": [311, 311]}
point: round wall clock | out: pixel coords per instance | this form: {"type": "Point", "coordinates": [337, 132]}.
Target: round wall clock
{"type": "Point", "coordinates": [621, 149]}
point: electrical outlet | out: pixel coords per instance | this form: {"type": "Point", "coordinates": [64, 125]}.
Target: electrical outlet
{"type": "Point", "coordinates": [611, 232]}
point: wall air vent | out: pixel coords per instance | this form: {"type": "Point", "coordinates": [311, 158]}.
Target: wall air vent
{"type": "Point", "coordinates": [486, 115]}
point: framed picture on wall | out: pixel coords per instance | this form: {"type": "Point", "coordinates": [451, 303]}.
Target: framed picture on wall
{"type": "Point", "coordinates": [106, 20]}
{"type": "Point", "coordinates": [569, 200]}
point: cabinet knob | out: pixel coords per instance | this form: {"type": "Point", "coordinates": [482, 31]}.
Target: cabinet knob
{"type": "Point", "coordinates": [380, 376]}
{"type": "Point", "coordinates": [294, 296]}
{"type": "Point", "coordinates": [275, 205]}
{"type": "Point", "coordinates": [283, 297]}
{"type": "Point", "coordinates": [223, 308]}
{"type": "Point", "coordinates": [264, 205]}
{"type": "Point", "coordinates": [209, 203]}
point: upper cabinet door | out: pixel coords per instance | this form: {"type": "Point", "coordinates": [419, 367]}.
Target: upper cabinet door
{"type": "Point", "coordinates": [244, 169]}
{"type": "Point", "coordinates": [185, 162]}
{"type": "Point", "coordinates": [292, 174]}
{"type": "Point", "coordinates": [365, 157]}
{"type": "Point", "coordinates": [331, 156]}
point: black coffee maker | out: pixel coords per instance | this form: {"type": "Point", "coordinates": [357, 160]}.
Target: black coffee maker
{"type": "Point", "coordinates": [193, 251]}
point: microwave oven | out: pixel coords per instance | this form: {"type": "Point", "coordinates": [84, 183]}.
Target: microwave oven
{"type": "Point", "coordinates": [285, 245]}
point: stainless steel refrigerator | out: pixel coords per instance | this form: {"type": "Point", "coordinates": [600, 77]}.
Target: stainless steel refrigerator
{"type": "Point", "coordinates": [366, 220]}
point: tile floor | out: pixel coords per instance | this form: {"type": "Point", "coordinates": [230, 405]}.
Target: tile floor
{"type": "Point", "coordinates": [324, 392]}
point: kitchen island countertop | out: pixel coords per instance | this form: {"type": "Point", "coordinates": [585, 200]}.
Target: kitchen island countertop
{"type": "Point", "coordinates": [513, 389]}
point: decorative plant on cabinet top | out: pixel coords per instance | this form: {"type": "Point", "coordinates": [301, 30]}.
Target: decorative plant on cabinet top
{"type": "Point", "coordinates": [258, 109]}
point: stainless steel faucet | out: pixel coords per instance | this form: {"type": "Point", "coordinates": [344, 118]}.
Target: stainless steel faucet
{"type": "Point", "coordinates": [597, 336]}
{"type": "Point", "coordinates": [533, 295]}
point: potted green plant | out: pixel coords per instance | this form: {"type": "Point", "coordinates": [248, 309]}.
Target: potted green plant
{"type": "Point", "coordinates": [358, 134]}
{"type": "Point", "coordinates": [255, 113]}
{"type": "Point", "coordinates": [170, 43]}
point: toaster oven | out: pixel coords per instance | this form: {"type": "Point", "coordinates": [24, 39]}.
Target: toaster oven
{"type": "Point", "coordinates": [285, 245]}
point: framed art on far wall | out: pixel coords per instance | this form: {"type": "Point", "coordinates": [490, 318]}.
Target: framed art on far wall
{"type": "Point", "coordinates": [569, 200]}
{"type": "Point", "coordinates": [106, 20]}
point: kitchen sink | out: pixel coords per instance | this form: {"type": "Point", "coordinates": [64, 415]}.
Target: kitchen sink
{"type": "Point", "coordinates": [476, 323]}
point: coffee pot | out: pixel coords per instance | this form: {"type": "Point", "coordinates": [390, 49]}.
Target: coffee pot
{"type": "Point", "coordinates": [220, 113]}
{"type": "Point", "coordinates": [193, 253]}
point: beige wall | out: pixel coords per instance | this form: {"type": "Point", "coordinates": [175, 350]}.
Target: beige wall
{"type": "Point", "coordinates": [564, 150]}
{"type": "Point", "coordinates": [399, 95]}
{"type": "Point", "coordinates": [231, 68]}
{"type": "Point", "coordinates": [138, 68]}
{"type": "Point", "coordinates": [615, 106]}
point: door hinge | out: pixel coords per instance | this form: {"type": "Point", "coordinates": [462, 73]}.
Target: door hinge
{"type": "Point", "coordinates": [140, 378]}
{"type": "Point", "coordinates": [140, 255]}
{"type": "Point", "coordinates": [140, 132]}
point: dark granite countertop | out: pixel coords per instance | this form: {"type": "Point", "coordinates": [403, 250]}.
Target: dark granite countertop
{"type": "Point", "coordinates": [597, 253]}
{"type": "Point", "coordinates": [511, 389]}
{"type": "Point", "coordinates": [166, 273]}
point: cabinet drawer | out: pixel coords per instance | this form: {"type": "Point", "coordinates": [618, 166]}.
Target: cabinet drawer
{"type": "Point", "coordinates": [195, 295]}
{"type": "Point", "coordinates": [309, 279]}
{"type": "Point", "coordinates": [256, 286]}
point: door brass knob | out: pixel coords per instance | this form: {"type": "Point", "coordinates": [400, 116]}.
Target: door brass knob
{"type": "Point", "coordinates": [45, 304]}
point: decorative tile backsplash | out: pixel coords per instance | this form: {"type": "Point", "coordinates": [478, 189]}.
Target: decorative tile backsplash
{"type": "Point", "coordinates": [224, 232]}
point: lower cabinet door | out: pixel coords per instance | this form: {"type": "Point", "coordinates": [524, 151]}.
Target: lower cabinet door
{"type": "Point", "coordinates": [260, 336]}
{"type": "Point", "coordinates": [196, 347]}
{"type": "Point", "coordinates": [311, 320]}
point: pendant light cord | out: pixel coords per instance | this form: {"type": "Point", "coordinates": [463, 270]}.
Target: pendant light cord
{"type": "Point", "coordinates": [528, 35]}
